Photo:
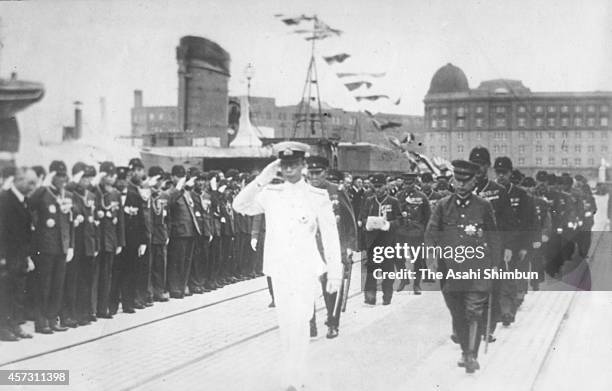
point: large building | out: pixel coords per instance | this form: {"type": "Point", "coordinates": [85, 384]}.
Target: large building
{"type": "Point", "coordinates": [555, 131]}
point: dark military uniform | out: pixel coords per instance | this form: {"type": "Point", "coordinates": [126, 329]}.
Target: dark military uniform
{"type": "Point", "coordinates": [53, 237]}
{"type": "Point", "coordinates": [197, 276]}
{"type": "Point", "coordinates": [80, 272]}
{"type": "Point", "coordinates": [228, 229]}
{"type": "Point", "coordinates": [542, 231]}
{"type": "Point", "coordinates": [159, 242]}
{"type": "Point", "coordinates": [108, 204]}
{"type": "Point", "coordinates": [461, 222]}
{"type": "Point", "coordinates": [183, 230]}
{"type": "Point", "coordinates": [563, 217]}
{"type": "Point", "coordinates": [387, 207]}
{"type": "Point", "coordinates": [589, 208]}
{"type": "Point", "coordinates": [144, 288]}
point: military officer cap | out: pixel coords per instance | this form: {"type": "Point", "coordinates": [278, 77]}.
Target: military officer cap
{"type": "Point", "coordinates": [334, 175]}
{"type": "Point", "coordinates": [232, 173]}
{"type": "Point", "coordinates": [155, 170]}
{"type": "Point", "coordinates": [78, 167]}
{"type": "Point", "coordinates": [551, 179]}
{"type": "Point", "coordinates": [580, 178]}
{"type": "Point", "coordinates": [122, 172]}
{"type": "Point", "coordinates": [193, 171]}
{"type": "Point", "coordinates": [503, 163]}
{"type": "Point", "coordinates": [426, 177]}
{"type": "Point", "coordinates": [291, 150]}
{"type": "Point", "coordinates": [480, 155]}
{"type": "Point", "coordinates": [90, 171]}
{"type": "Point", "coordinates": [135, 163]}
{"type": "Point", "coordinates": [108, 168]}
{"type": "Point", "coordinates": [178, 171]}
{"type": "Point", "coordinates": [566, 180]}
{"type": "Point", "coordinates": [528, 182]}
{"type": "Point", "coordinates": [464, 170]}
{"type": "Point", "coordinates": [59, 167]}
{"type": "Point", "coordinates": [516, 177]}
{"type": "Point", "coordinates": [541, 176]}
{"type": "Point", "coordinates": [379, 180]}
{"type": "Point", "coordinates": [317, 163]}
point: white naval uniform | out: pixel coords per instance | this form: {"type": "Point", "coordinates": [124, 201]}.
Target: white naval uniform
{"type": "Point", "coordinates": [294, 213]}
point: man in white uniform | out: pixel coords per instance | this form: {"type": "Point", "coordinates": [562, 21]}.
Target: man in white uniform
{"type": "Point", "coordinates": [294, 212]}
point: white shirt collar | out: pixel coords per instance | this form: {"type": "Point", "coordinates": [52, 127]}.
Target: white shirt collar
{"type": "Point", "coordinates": [295, 185]}
{"type": "Point", "coordinates": [17, 193]}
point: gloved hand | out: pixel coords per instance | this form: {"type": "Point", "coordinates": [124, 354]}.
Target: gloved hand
{"type": "Point", "coordinates": [31, 265]}
{"type": "Point", "coordinates": [190, 182]}
{"type": "Point", "coordinates": [76, 178]}
{"type": "Point", "coordinates": [333, 285]}
{"type": "Point", "coordinates": [254, 244]}
{"type": "Point", "coordinates": [537, 245]}
{"type": "Point", "coordinates": [507, 255]}
{"type": "Point", "coordinates": [69, 255]}
{"type": "Point", "coordinates": [181, 183]}
{"type": "Point", "coordinates": [522, 253]}
{"type": "Point", "coordinates": [142, 249]}
{"type": "Point", "coordinates": [269, 173]}
{"type": "Point", "coordinates": [49, 178]}
{"type": "Point", "coordinates": [544, 238]}
{"type": "Point", "coordinates": [96, 180]}
{"type": "Point", "coordinates": [118, 250]}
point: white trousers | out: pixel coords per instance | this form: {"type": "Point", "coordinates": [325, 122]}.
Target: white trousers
{"type": "Point", "coordinates": [294, 296]}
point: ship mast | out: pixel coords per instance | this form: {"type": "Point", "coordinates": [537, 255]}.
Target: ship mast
{"type": "Point", "coordinates": [305, 117]}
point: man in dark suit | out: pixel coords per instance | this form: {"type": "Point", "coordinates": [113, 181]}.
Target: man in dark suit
{"type": "Point", "coordinates": [15, 251]}
{"type": "Point", "coordinates": [183, 230]}
{"type": "Point", "coordinates": [51, 206]}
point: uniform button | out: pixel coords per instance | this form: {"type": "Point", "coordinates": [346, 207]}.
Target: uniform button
{"type": "Point", "coordinates": [462, 216]}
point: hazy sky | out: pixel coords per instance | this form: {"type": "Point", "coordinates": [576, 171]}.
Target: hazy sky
{"type": "Point", "coordinates": [82, 50]}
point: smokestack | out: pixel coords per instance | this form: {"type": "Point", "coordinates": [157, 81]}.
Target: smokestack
{"type": "Point", "coordinates": [137, 98]}
{"type": "Point", "coordinates": [78, 120]}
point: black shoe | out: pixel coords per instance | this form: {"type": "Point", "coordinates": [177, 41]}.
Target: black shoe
{"type": "Point", "coordinates": [176, 296]}
{"type": "Point", "coordinates": [69, 323]}
{"type": "Point", "coordinates": [417, 289]}
{"type": "Point", "coordinates": [272, 304]}
{"type": "Point", "coordinates": [197, 290]}
{"type": "Point", "coordinates": [454, 338]}
{"type": "Point", "coordinates": [56, 327]}
{"type": "Point", "coordinates": [92, 318]}
{"type": "Point", "coordinates": [403, 283]}
{"type": "Point", "coordinates": [462, 361]}
{"type": "Point", "coordinates": [471, 364]}
{"type": "Point", "coordinates": [161, 299]}
{"type": "Point", "coordinates": [386, 301]}
{"type": "Point", "coordinates": [105, 316]}
{"type": "Point", "coordinates": [129, 310]}
{"type": "Point", "coordinates": [492, 338]}
{"type": "Point", "coordinates": [313, 330]}
{"type": "Point", "coordinates": [148, 303]}
{"type": "Point", "coordinates": [137, 306]}
{"type": "Point", "coordinates": [7, 335]}
{"type": "Point", "coordinates": [332, 332]}
{"type": "Point", "coordinates": [84, 322]}
{"type": "Point", "coordinates": [370, 301]}
{"type": "Point", "coordinates": [43, 329]}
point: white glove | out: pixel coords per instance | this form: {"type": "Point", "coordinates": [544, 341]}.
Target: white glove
{"type": "Point", "coordinates": [386, 225]}
{"type": "Point", "coordinates": [181, 183]}
{"type": "Point", "coordinates": [507, 255]}
{"type": "Point", "coordinates": [210, 239]}
{"type": "Point", "coordinates": [8, 182]}
{"type": "Point", "coordinates": [522, 253]}
{"type": "Point", "coordinates": [49, 178]}
{"type": "Point", "coordinates": [254, 244]}
{"type": "Point", "coordinates": [118, 250]}
{"type": "Point", "coordinates": [333, 285]}
{"type": "Point", "coordinates": [153, 181]}
{"type": "Point", "coordinates": [537, 244]}
{"type": "Point", "coordinates": [96, 180]}
{"type": "Point", "coordinates": [142, 249]}
{"type": "Point", "coordinates": [31, 266]}
{"type": "Point", "coordinates": [269, 173]}
{"type": "Point", "coordinates": [544, 238]}
{"type": "Point", "coordinates": [76, 178]}
{"type": "Point", "coordinates": [213, 184]}
{"type": "Point", "coordinates": [190, 182]}
{"type": "Point", "coordinates": [69, 255]}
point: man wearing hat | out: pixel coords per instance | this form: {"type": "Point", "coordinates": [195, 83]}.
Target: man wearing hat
{"type": "Point", "coordinates": [183, 230]}
{"type": "Point", "coordinates": [520, 227]}
{"type": "Point", "coordinates": [542, 231]}
{"type": "Point", "coordinates": [53, 243]}
{"type": "Point", "coordinates": [77, 306]}
{"type": "Point", "coordinates": [498, 197]}
{"type": "Point", "coordinates": [415, 212]}
{"type": "Point", "coordinates": [159, 233]}
{"type": "Point", "coordinates": [460, 220]}
{"type": "Point", "coordinates": [109, 216]}
{"type": "Point", "coordinates": [379, 216]}
{"type": "Point", "coordinates": [318, 167]}
{"type": "Point", "coordinates": [295, 211]}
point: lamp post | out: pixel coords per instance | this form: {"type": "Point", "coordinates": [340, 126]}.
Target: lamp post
{"type": "Point", "coordinates": [249, 72]}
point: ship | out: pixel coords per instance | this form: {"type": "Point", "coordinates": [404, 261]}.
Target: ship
{"type": "Point", "coordinates": [15, 96]}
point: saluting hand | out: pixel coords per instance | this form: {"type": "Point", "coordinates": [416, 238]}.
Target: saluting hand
{"type": "Point", "coordinates": [31, 266]}
{"type": "Point", "coordinates": [269, 173]}
{"type": "Point", "coordinates": [141, 250]}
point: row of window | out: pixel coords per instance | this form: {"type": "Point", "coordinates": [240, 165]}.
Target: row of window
{"type": "Point", "coordinates": [521, 135]}
{"type": "Point", "coordinates": [538, 161]}
{"type": "Point", "coordinates": [151, 116]}
{"type": "Point", "coordinates": [521, 148]}
{"type": "Point", "coordinates": [522, 122]}
{"type": "Point", "coordinates": [462, 111]}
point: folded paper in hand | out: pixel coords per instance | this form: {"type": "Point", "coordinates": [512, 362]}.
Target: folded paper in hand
{"type": "Point", "coordinates": [375, 222]}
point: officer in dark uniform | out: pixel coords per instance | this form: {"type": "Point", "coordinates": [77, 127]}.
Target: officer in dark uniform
{"type": "Point", "coordinates": [183, 230]}
{"type": "Point", "coordinates": [542, 229]}
{"type": "Point", "coordinates": [15, 253]}
{"type": "Point", "coordinates": [518, 237]}
{"type": "Point", "coordinates": [228, 231]}
{"type": "Point", "coordinates": [465, 219]}
{"type": "Point", "coordinates": [415, 212]}
{"type": "Point", "coordinates": [497, 195]}
{"type": "Point", "coordinates": [197, 276]}
{"type": "Point", "coordinates": [159, 234]}
{"type": "Point", "coordinates": [79, 273]}
{"type": "Point", "coordinates": [108, 213]}
{"type": "Point", "coordinates": [318, 167]}
{"type": "Point", "coordinates": [53, 239]}
{"type": "Point", "coordinates": [379, 216]}
{"type": "Point", "coordinates": [427, 187]}
{"type": "Point", "coordinates": [589, 207]}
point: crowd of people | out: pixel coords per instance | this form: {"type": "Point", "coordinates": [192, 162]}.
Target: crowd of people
{"type": "Point", "coordinates": [75, 248]}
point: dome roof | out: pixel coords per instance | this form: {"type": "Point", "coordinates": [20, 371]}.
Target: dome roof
{"type": "Point", "coordinates": [447, 79]}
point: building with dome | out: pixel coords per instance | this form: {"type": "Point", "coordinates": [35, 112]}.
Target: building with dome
{"type": "Point", "coordinates": [554, 131]}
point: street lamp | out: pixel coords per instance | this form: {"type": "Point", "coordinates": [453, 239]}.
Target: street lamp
{"type": "Point", "coordinates": [249, 72]}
